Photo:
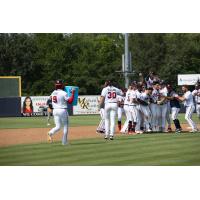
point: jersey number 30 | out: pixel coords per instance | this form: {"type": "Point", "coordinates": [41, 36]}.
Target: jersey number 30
{"type": "Point", "coordinates": [55, 99]}
{"type": "Point", "coordinates": [112, 95]}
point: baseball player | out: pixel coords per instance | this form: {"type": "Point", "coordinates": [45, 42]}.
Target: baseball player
{"type": "Point", "coordinates": [187, 98]}
{"type": "Point", "coordinates": [144, 101]}
{"type": "Point", "coordinates": [59, 100]}
{"type": "Point", "coordinates": [101, 126]}
{"type": "Point", "coordinates": [196, 94]}
{"type": "Point", "coordinates": [49, 111]}
{"type": "Point", "coordinates": [120, 110]}
{"type": "Point", "coordinates": [163, 105]}
{"type": "Point", "coordinates": [128, 121]}
{"type": "Point", "coordinates": [109, 97]}
{"type": "Point", "coordinates": [154, 107]}
{"type": "Point", "coordinates": [133, 108]}
{"type": "Point", "coordinates": [175, 107]}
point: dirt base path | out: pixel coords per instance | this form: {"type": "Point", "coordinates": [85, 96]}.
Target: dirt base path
{"type": "Point", "coordinates": [37, 135]}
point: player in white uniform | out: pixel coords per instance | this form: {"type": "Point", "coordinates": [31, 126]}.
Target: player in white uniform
{"type": "Point", "coordinates": [120, 110]}
{"type": "Point", "coordinates": [109, 97]}
{"type": "Point", "coordinates": [127, 111]}
{"type": "Point", "coordinates": [187, 98]}
{"type": "Point", "coordinates": [133, 108]}
{"type": "Point", "coordinates": [196, 94]}
{"type": "Point", "coordinates": [59, 102]}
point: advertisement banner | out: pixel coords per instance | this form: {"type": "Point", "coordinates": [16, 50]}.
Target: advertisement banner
{"type": "Point", "coordinates": [34, 105]}
{"type": "Point", "coordinates": [188, 79]}
{"type": "Point", "coordinates": [87, 105]}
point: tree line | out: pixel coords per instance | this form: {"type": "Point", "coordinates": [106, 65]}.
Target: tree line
{"type": "Point", "coordinates": [87, 60]}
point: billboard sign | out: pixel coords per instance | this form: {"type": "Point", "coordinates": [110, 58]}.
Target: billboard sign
{"type": "Point", "coordinates": [188, 79]}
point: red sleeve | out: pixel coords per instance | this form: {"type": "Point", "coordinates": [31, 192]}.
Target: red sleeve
{"type": "Point", "coordinates": [70, 100]}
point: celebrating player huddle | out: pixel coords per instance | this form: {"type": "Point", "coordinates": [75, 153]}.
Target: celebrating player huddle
{"type": "Point", "coordinates": [147, 106]}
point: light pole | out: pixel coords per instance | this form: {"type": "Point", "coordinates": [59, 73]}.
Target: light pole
{"type": "Point", "coordinates": [126, 67]}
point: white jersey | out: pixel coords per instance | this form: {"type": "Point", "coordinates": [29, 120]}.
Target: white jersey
{"type": "Point", "coordinates": [133, 96]}
{"type": "Point", "coordinates": [188, 99]}
{"type": "Point", "coordinates": [59, 99]}
{"type": "Point", "coordinates": [164, 92]}
{"type": "Point", "coordinates": [110, 93]}
{"type": "Point", "coordinates": [196, 94]}
{"type": "Point", "coordinates": [128, 97]}
{"type": "Point", "coordinates": [120, 98]}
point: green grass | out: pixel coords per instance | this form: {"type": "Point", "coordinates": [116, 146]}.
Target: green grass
{"type": "Point", "coordinates": [142, 150]}
{"type": "Point", "coordinates": [40, 122]}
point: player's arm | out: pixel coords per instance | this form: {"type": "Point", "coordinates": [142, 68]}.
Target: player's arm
{"type": "Point", "coordinates": [101, 101]}
{"type": "Point", "coordinates": [183, 98]}
{"type": "Point", "coordinates": [70, 99]}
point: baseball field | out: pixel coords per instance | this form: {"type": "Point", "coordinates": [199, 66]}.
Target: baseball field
{"type": "Point", "coordinates": [23, 143]}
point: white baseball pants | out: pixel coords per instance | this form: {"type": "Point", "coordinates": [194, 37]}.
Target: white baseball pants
{"type": "Point", "coordinates": [163, 114]}
{"type": "Point", "coordinates": [110, 115]}
{"type": "Point", "coordinates": [156, 114]}
{"type": "Point", "coordinates": [146, 113]}
{"type": "Point", "coordinates": [188, 116]}
{"type": "Point", "coordinates": [128, 118]}
{"type": "Point", "coordinates": [120, 111]}
{"type": "Point", "coordinates": [60, 118]}
{"type": "Point", "coordinates": [175, 112]}
{"type": "Point", "coordinates": [101, 125]}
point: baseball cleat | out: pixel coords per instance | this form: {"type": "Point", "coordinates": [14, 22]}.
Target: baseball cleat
{"type": "Point", "coordinates": [149, 131]}
{"type": "Point", "coordinates": [178, 130]}
{"type": "Point", "coordinates": [194, 131]}
{"type": "Point", "coordinates": [111, 138]}
{"type": "Point", "coordinates": [49, 138]}
{"type": "Point", "coordinates": [106, 137]}
{"type": "Point", "coordinates": [169, 130]}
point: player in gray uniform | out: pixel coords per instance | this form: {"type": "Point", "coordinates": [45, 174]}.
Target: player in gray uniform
{"type": "Point", "coordinates": [144, 101]}
{"type": "Point", "coordinates": [196, 94]}
{"type": "Point", "coordinates": [175, 107]}
{"type": "Point", "coordinates": [187, 98]}
{"type": "Point", "coordinates": [101, 126]}
{"type": "Point", "coordinates": [154, 107]}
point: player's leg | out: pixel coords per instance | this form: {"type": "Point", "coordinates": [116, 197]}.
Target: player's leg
{"type": "Point", "coordinates": [65, 122]}
{"type": "Point", "coordinates": [107, 119]}
{"type": "Point", "coordinates": [188, 116]}
{"type": "Point", "coordinates": [175, 119]}
{"type": "Point", "coordinates": [125, 126]}
{"type": "Point", "coordinates": [113, 113]}
{"type": "Point", "coordinates": [101, 126]}
{"type": "Point", "coordinates": [139, 119]}
{"type": "Point", "coordinates": [169, 129]}
{"type": "Point", "coordinates": [163, 115]}
{"type": "Point", "coordinates": [198, 110]}
{"type": "Point", "coordinates": [57, 120]}
{"type": "Point", "coordinates": [153, 116]}
{"type": "Point", "coordinates": [49, 111]}
{"type": "Point", "coordinates": [119, 115]}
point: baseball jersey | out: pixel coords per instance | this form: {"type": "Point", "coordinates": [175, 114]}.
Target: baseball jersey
{"type": "Point", "coordinates": [128, 97]}
{"type": "Point", "coordinates": [133, 96]}
{"type": "Point", "coordinates": [196, 94]}
{"type": "Point", "coordinates": [155, 95]}
{"type": "Point", "coordinates": [163, 92]}
{"type": "Point", "coordinates": [149, 82]}
{"type": "Point", "coordinates": [59, 99]}
{"type": "Point", "coordinates": [110, 93]}
{"type": "Point", "coordinates": [174, 102]}
{"type": "Point", "coordinates": [145, 97]}
{"type": "Point", "coordinates": [188, 99]}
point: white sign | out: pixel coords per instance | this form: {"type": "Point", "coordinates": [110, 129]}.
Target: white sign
{"type": "Point", "coordinates": [33, 105]}
{"type": "Point", "coordinates": [87, 105]}
{"type": "Point", "coordinates": [188, 79]}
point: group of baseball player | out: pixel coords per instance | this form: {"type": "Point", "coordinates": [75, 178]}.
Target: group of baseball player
{"type": "Point", "coordinates": [147, 106]}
